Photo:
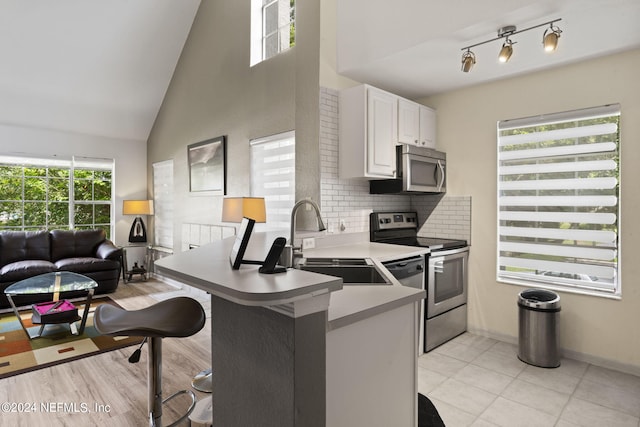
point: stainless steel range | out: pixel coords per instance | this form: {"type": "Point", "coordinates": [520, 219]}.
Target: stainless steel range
{"type": "Point", "coordinates": [445, 307]}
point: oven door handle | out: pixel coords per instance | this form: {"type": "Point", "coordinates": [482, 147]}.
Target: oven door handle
{"type": "Point", "coordinates": [438, 266]}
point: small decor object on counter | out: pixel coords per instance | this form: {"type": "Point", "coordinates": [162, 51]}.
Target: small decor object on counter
{"type": "Point", "coordinates": [54, 311]}
{"type": "Point", "coordinates": [240, 244]}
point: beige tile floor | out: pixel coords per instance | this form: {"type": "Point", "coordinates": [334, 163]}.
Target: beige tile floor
{"type": "Point", "coordinates": [478, 381]}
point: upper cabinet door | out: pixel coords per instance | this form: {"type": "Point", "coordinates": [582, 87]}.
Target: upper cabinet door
{"type": "Point", "coordinates": [427, 127]}
{"type": "Point", "coordinates": [408, 122]}
{"type": "Point", "coordinates": [382, 133]}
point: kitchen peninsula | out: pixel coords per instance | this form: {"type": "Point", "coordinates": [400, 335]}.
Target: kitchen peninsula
{"type": "Point", "coordinates": [296, 349]}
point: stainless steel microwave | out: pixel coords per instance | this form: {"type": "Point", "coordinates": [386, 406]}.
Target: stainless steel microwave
{"type": "Point", "coordinates": [418, 170]}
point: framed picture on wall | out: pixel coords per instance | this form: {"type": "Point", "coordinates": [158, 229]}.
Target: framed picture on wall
{"type": "Point", "coordinates": [208, 165]}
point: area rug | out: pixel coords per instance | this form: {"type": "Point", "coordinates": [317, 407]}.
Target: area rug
{"type": "Point", "coordinates": [57, 345]}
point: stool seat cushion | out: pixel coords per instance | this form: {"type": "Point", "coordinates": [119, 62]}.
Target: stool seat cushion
{"type": "Point", "coordinates": [175, 317]}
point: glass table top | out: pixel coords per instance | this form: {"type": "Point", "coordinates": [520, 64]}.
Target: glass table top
{"type": "Point", "coordinates": [63, 281]}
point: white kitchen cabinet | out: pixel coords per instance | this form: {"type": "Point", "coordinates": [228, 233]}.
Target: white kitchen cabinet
{"type": "Point", "coordinates": [416, 124]}
{"type": "Point", "coordinates": [368, 133]}
{"type": "Point", "coordinates": [372, 371]}
{"type": "Point", "coordinates": [427, 127]}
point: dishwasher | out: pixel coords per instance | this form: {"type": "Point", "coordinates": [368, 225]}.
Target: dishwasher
{"type": "Point", "coordinates": [410, 272]}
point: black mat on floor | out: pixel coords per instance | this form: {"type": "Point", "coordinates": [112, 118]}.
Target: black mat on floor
{"type": "Point", "coordinates": [427, 413]}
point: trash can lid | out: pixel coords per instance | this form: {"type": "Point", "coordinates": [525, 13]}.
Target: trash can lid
{"type": "Point", "coordinates": [539, 298]}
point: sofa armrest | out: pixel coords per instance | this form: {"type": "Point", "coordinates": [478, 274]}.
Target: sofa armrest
{"type": "Point", "coordinates": [107, 250]}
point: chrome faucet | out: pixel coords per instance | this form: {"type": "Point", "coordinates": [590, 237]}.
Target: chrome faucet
{"type": "Point", "coordinates": [291, 251]}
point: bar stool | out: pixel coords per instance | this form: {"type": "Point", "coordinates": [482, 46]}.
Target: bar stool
{"type": "Point", "coordinates": [176, 317]}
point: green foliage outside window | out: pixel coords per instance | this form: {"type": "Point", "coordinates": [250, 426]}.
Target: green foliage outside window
{"type": "Point", "coordinates": [40, 198]}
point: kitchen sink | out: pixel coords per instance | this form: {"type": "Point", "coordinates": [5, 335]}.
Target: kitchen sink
{"type": "Point", "coordinates": [350, 274]}
{"type": "Point", "coordinates": [334, 261]}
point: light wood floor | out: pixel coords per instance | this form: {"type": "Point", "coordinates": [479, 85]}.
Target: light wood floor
{"type": "Point", "coordinates": [106, 389]}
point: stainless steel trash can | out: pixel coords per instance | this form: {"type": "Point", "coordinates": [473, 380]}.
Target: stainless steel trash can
{"type": "Point", "coordinates": [538, 315]}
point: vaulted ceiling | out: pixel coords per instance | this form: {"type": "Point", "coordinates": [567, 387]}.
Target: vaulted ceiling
{"type": "Point", "coordinates": [89, 66]}
{"type": "Point", "coordinates": [103, 67]}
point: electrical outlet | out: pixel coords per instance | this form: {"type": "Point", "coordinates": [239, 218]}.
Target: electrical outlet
{"type": "Point", "coordinates": [308, 243]}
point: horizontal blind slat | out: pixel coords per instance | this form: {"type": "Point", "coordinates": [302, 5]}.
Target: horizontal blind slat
{"type": "Point", "coordinates": [564, 150]}
{"type": "Point", "coordinates": [596, 236]}
{"type": "Point", "coordinates": [560, 184]}
{"type": "Point", "coordinates": [557, 134]}
{"type": "Point", "coordinates": [591, 165]}
{"type": "Point", "coordinates": [558, 201]}
{"type": "Point", "coordinates": [572, 268]}
{"type": "Point", "coordinates": [571, 217]}
{"type": "Point", "coordinates": [570, 251]}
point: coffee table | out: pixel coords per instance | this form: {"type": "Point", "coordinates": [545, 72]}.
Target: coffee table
{"type": "Point", "coordinates": [54, 283]}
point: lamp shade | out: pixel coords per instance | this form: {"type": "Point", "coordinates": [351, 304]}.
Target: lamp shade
{"type": "Point", "coordinates": [137, 207]}
{"type": "Point", "coordinates": [236, 208]}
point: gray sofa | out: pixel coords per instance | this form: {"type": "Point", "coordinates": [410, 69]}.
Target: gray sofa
{"type": "Point", "coordinates": [25, 254]}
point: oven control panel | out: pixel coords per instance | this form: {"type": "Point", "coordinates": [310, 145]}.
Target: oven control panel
{"type": "Point", "coordinates": [394, 220]}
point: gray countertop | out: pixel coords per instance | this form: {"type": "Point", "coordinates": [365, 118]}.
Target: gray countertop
{"type": "Point", "coordinates": [208, 268]}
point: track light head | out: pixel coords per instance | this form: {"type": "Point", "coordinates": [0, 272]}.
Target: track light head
{"type": "Point", "coordinates": [506, 51]}
{"type": "Point", "coordinates": [550, 38]}
{"type": "Point", "coordinates": [468, 61]}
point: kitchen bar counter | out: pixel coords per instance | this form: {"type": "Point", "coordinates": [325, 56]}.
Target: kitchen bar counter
{"type": "Point", "coordinates": [208, 268]}
{"type": "Point", "coordinates": [278, 340]}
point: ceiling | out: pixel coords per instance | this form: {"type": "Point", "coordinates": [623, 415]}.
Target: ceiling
{"type": "Point", "coordinates": [413, 47]}
{"type": "Point", "coordinates": [90, 66]}
{"type": "Point", "coordinates": [103, 67]}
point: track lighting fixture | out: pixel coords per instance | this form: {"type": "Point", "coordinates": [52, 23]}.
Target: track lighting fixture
{"type": "Point", "coordinates": [506, 51]}
{"type": "Point", "coordinates": [468, 61]}
{"type": "Point", "coordinates": [549, 40]}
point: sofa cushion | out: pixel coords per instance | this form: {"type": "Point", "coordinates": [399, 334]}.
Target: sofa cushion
{"type": "Point", "coordinates": [22, 269]}
{"type": "Point", "coordinates": [84, 265]}
{"type": "Point", "coordinates": [75, 243]}
{"type": "Point", "coordinates": [19, 245]}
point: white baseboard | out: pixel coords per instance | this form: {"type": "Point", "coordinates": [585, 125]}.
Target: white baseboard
{"type": "Point", "coordinates": [571, 354]}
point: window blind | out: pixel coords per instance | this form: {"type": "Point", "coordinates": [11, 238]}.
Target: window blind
{"type": "Point", "coordinates": [558, 197]}
{"type": "Point", "coordinates": [273, 167]}
{"type": "Point", "coordinates": [163, 204]}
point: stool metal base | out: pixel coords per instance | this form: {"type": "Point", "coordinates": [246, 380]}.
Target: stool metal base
{"type": "Point", "coordinates": [203, 381]}
{"type": "Point", "coordinates": [154, 382]}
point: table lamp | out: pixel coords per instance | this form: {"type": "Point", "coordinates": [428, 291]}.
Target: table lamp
{"type": "Point", "coordinates": [236, 208]}
{"type": "Point", "coordinates": [138, 232]}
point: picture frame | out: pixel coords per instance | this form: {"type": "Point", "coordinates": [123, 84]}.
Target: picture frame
{"type": "Point", "coordinates": [208, 166]}
{"type": "Point", "coordinates": [241, 242]}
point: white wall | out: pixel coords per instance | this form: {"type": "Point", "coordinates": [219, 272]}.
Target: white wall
{"type": "Point", "coordinates": [130, 160]}
{"type": "Point", "coordinates": [215, 92]}
{"type": "Point", "coordinates": [597, 329]}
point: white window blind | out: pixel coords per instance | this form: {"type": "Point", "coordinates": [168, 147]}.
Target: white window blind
{"type": "Point", "coordinates": [163, 203]}
{"type": "Point", "coordinates": [273, 166]}
{"type": "Point", "coordinates": [558, 197]}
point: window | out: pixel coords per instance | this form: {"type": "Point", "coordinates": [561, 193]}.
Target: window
{"type": "Point", "coordinates": [273, 168]}
{"type": "Point", "coordinates": [163, 203]}
{"type": "Point", "coordinates": [273, 24]}
{"type": "Point", "coordinates": [558, 197]}
{"type": "Point", "coordinates": [46, 194]}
